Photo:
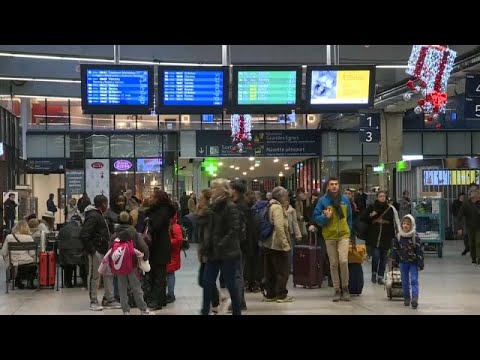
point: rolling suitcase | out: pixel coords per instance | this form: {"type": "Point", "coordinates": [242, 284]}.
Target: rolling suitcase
{"type": "Point", "coordinates": [355, 282]}
{"type": "Point", "coordinates": [308, 263]}
{"type": "Point", "coordinates": [47, 269]}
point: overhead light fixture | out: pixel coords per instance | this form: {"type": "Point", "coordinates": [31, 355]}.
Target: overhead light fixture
{"type": "Point", "coordinates": [232, 167]}
{"type": "Point", "coordinates": [276, 160]}
{"type": "Point", "coordinates": [412, 157]}
{"type": "Point", "coordinates": [281, 174]}
{"type": "Point", "coordinates": [391, 66]}
{"type": "Point", "coordinates": [286, 165]}
{"type": "Point", "coordinates": [220, 163]}
{"type": "Point", "coordinates": [14, 78]}
{"type": "Point", "coordinates": [287, 168]}
{"type": "Point", "coordinates": [255, 180]}
{"type": "Point", "coordinates": [251, 158]}
{"type": "Point", "coordinates": [43, 97]}
{"type": "Point", "coordinates": [257, 164]}
{"type": "Point", "coordinates": [252, 168]}
{"type": "Point", "coordinates": [237, 168]}
{"type": "Point", "coordinates": [244, 173]}
{"type": "Point", "coordinates": [236, 178]}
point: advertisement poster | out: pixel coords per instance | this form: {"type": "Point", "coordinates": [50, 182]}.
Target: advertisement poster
{"type": "Point", "coordinates": [340, 87]}
{"type": "Point", "coordinates": [5, 197]}
{"type": "Point", "coordinates": [97, 177]}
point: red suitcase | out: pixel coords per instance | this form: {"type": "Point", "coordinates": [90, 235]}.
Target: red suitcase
{"type": "Point", "coordinates": [47, 269]}
{"type": "Point", "coordinates": [308, 263]}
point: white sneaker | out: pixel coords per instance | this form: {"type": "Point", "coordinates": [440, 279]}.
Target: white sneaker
{"type": "Point", "coordinates": [95, 307]}
{"type": "Point", "coordinates": [126, 313]}
{"type": "Point", "coordinates": [147, 312]}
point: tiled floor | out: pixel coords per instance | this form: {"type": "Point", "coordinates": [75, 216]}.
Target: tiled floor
{"type": "Point", "coordinates": [450, 285]}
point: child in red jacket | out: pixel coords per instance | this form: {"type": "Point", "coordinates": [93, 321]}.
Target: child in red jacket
{"type": "Point", "coordinates": [176, 238]}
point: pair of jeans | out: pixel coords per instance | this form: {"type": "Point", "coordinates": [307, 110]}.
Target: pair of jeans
{"type": "Point", "coordinates": [409, 272]}
{"type": "Point", "coordinates": [230, 269]}
{"type": "Point", "coordinates": [171, 284]}
{"type": "Point", "coordinates": [94, 277]}
{"type": "Point", "coordinates": [215, 293]}
{"type": "Point", "coordinates": [337, 251]}
{"type": "Point", "coordinates": [379, 262]}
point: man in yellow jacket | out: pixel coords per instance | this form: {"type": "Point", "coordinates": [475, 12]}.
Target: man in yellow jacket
{"type": "Point", "coordinates": [334, 214]}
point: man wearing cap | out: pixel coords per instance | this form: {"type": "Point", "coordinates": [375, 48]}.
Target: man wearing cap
{"type": "Point", "coordinates": [71, 250]}
{"type": "Point", "coordinates": [47, 223]}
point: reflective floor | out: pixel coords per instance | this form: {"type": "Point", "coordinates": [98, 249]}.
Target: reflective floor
{"type": "Point", "coordinates": [450, 285]}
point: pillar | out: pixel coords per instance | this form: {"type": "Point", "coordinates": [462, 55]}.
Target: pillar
{"type": "Point", "coordinates": [391, 147]}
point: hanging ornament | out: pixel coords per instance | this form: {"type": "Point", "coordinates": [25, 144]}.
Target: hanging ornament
{"type": "Point", "coordinates": [431, 65]}
{"type": "Point", "coordinates": [438, 126]}
{"type": "Point", "coordinates": [418, 110]}
{"type": "Point", "coordinates": [241, 130]}
{"type": "Point", "coordinates": [407, 96]}
{"type": "Point", "coordinates": [429, 118]}
{"type": "Point", "coordinates": [435, 117]}
{"type": "Point", "coordinates": [411, 85]}
{"type": "Point", "coordinates": [421, 102]}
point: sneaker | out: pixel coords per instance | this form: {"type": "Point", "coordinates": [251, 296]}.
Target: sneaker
{"type": "Point", "coordinates": [147, 312]}
{"type": "Point", "coordinates": [414, 303]}
{"type": "Point", "coordinates": [464, 252]}
{"type": "Point", "coordinates": [112, 305]}
{"type": "Point", "coordinates": [265, 299]}
{"type": "Point", "coordinates": [170, 299]}
{"type": "Point", "coordinates": [337, 296]}
{"type": "Point", "coordinates": [380, 281]}
{"type": "Point", "coordinates": [95, 306]}
{"type": "Point", "coordinates": [154, 306]}
{"type": "Point", "coordinates": [243, 307]}
{"type": "Point", "coordinates": [374, 278]}
{"type": "Point", "coordinates": [126, 313]}
{"type": "Point", "coordinates": [406, 302]}
{"type": "Point", "coordinates": [286, 299]}
{"type": "Point", "coordinates": [214, 311]}
{"type": "Point", "coordinates": [345, 295]}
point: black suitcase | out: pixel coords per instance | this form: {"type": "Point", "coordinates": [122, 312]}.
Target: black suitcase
{"type": "Point", "coordinates": [355, 283]}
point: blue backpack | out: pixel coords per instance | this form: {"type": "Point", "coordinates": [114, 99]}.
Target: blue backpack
{"type": "Point", "coordinates": [261, 212]}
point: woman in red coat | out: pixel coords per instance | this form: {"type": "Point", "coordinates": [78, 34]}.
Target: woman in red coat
{"type": "Point", "coordinates": [176, 238]}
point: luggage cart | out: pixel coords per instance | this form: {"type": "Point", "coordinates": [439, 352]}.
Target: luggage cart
{"type": "Point", "coordinates": [429, 214]}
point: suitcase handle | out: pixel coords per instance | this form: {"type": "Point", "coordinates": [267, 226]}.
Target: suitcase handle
{"type": "Point", "coordinates": [312, 235]}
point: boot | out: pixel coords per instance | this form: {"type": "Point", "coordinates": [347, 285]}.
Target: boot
{"type": "Point", "coordinates": [337, 296]}
{"type": "Point", "coordinates": [414, 303]}
{"type": "Point", "coordinates": [406, 301]}
{"type": "Point", "coordinates": [345, 294]}
{"type": "Point", "coordinates": [464, 252]}
{"type": "Point", "coordinates": [374, 278]}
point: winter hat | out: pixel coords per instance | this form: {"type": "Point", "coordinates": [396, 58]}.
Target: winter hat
{"type": "Point", "coordinates": [125, 218]}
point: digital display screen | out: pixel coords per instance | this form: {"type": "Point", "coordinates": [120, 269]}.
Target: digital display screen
{"type": "Point", "coordinates": [193, 87]}
{"type": "Point", "coordinates": [208, 118]}
{"type": "Point", "coordinates": [149, 165]}
{"type": "Point", "coordinates": [117, 89]}
{"type": "Point", "coordinates": [436, 177]}
{"type": "Point", "coordinates": [340, 87]}
{"type": "Point", "coordinates": [450, 177]}
{"type": "Point", "coordinates": [273, 87]}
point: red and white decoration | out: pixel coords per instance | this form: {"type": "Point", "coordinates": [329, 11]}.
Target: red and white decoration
{"type": "Point", "coordinates": [430, 66]}
{"type": "Point", "coordinates": [241, 132]}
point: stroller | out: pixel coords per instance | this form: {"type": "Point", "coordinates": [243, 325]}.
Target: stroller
{"type": "Point", "coordinates": [393, 280]}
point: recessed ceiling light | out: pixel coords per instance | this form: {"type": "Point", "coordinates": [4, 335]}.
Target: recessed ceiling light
{"type": "Point", "coordinates": [257, 165]}
{"type": "Point", "coordinates": [255, 180]}
{"type": "Point", "coordinates": [286, 165]}
{"type": "Point", "coordinates": [286, 168]}
{"type": "Point", "coordinates": [232, 166]}
{"type": "Point", "coordinates": [236, 178]}
{"type": "Point", "coordinates": [237, 168]}
{"type": "Point", "coordinates": [220, 164]}
{"type": "Point", "coordinates": [252, 168]}
{"type": "Point", "coordinates": [244, 173]}
{"type": "Point", "coordinates": [251, 158]}
{"type": "Point", "coordinates": [281, 174]}
{"type": "Point", "coordinates": [275, 160]}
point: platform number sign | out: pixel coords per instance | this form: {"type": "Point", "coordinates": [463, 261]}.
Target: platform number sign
{"type": "Point", "coordinates": [369, 128]}
{"type": "Point", "coordinates": [472, 108]}
{"type": "Point", "coordinates": [472, 85]}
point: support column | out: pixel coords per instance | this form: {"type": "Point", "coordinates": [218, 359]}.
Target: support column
{"type": "Point", "coordinates": [116, 54]}
{"type": "Point", "coordinates": [26, 115]}
{"type": "Point", "coordinates": [391, 147]}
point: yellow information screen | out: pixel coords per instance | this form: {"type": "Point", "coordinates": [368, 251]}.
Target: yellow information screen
{"type": "Point", "coordinates": [462, 177]}
{"type": "Point", "coordinates": [340, 87]}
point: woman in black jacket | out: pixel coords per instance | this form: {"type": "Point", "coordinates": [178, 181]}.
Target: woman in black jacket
{"type": "Point", "coordinates": [159, 215]}
{"type": "Point", "coordinates": [380, 217]}
{"type": "Point", "coordinates": [222, 247]}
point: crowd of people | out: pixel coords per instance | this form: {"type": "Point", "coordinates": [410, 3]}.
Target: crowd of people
{"type": "Point", "coordinates": [245, 237]}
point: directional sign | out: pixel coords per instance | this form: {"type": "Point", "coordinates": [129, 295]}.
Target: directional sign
{"type": "Point", "coordinates": [369, 135]}
{"type": "Point", "coordinates": [369, 128]}
{"type": "Point", "coordinates": [370, 120]}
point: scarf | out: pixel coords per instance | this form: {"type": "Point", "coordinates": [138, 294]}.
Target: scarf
{"type": "Point", "coordinates": [336, 201]}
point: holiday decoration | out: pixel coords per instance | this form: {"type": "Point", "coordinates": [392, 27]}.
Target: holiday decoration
{"type": "Point", "coordinates": [241, 132]}
{"type": "Point", "coordinates": [430, 67]}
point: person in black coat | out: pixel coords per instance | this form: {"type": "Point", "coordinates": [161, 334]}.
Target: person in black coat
{"type": "Point", "coordinates": [159, 215]}
{"type": "Point", "coordinates": [71, 251]}
{"type": "Point", "coordinates": [222, 248]}
{"type": "Point", "coordinates": [380, 217]}
{"type": "Point", "coordinates": [9, 211]}
{"type": "Point", "coordinates": [51, 205]}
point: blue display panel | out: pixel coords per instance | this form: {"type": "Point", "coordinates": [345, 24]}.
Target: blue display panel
{"type": "Point", "coordinates": [192, 89]}
{"type": "Point", "coordinates": [117, 89]}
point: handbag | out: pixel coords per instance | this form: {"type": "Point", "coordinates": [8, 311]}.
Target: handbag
{"type": "Point", "coordinates": [357, 254]}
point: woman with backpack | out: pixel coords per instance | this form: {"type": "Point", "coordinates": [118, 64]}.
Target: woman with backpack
{"type": "Point", "coordinates": [176, 239]}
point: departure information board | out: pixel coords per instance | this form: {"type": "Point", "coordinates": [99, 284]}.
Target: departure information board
{"type": "Point", "coordinates": [273, 87]}
{"type": "Point", "coordinates": [193, 88]}
{"type": "Point", "coordinates": [117, 87]}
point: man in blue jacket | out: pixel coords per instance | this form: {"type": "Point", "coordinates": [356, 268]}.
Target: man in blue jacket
{"type": "Point", "coordinates": [334, 214]}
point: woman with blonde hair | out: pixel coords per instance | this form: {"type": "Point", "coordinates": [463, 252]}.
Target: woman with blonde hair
{"type": "Point", "coordinates": [20, 233]}
{"type": "Point", "coordinates": [221, 248]}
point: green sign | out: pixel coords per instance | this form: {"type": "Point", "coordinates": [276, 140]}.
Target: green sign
{"type": "Point", "coordinates": [379, 169]}
{"type": "Point", "coordinates": [403, 166]}
{"type": "Point", "coordinates": [210, 166]}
